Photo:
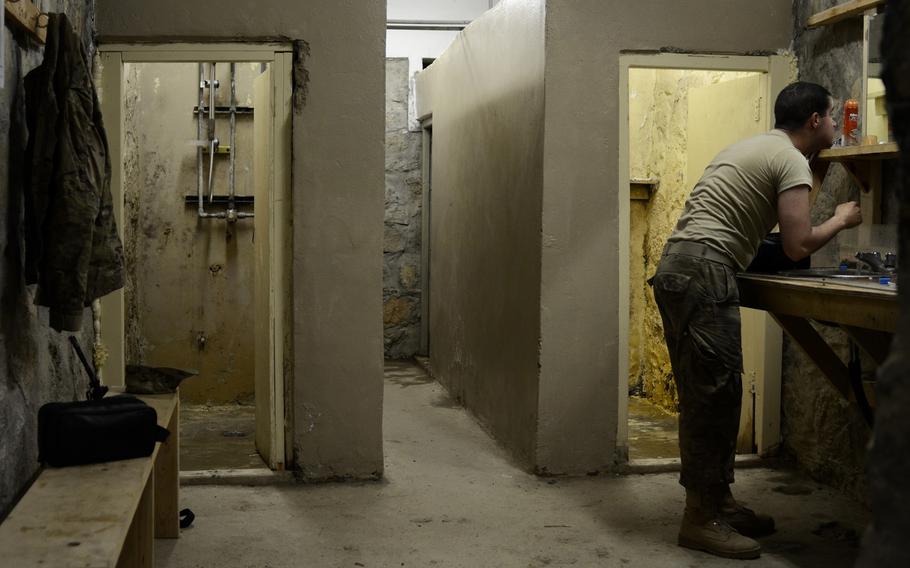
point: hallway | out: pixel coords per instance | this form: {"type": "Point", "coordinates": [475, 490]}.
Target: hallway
{"type": "Point", "coordinates": [450, 497]}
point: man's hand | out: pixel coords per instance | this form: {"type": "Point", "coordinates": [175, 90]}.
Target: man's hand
{"type": "Point", "coordinates": [800, 238]}
{"type": "Point", "coordinates": [849, 214]}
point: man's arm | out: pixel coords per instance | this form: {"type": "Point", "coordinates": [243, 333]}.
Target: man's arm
{"type": "Point", "coordinates": [800, 238]}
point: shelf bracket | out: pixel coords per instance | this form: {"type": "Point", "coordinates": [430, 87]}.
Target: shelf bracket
{"type": "Point", "coordinates": [25, 16]}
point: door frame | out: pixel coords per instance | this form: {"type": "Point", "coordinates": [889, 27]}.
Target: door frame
{"type": "Point", "coordinates": [779, 73]}
{"type": "Point", "coordinates": [426, 149]}
{"type": "Point", "coordinates": [111, 58]}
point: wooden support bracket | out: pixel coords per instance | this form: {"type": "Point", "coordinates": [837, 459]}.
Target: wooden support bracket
{"type": "Point", "coordinates": [24, 15]}
{"type": "Point", "coordinates": [876, 344]}
{"type": "Point", "coordinates": [818, 350]}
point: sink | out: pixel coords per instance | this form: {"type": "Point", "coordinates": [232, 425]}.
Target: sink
{"type": "Point", "coordinates": [835, 272]}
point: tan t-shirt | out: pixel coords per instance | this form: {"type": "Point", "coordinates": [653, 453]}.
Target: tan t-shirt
{"type": "Point", "coordinates": [734, 204]}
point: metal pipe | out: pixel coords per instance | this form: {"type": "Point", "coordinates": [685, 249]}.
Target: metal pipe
{"type": "Point", "coordinates": [233, 139]}
{"type": "Point", "coordinates": [231, 214]}
{"type": "Point", "coordinates": [432, 25]}
{"type": "Point", "coordinates": [213, 84]}
{"type": "Point", "coordinates": [213, 141]}
{"type": "Point", "coordinates": [199, 119]}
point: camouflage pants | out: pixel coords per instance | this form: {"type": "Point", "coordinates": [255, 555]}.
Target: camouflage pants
{"type": "Point", "coordinates": [699, 305]}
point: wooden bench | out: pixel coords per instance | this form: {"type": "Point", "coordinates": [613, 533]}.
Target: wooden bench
{"type": "Point", "coordinates": [100, 515]}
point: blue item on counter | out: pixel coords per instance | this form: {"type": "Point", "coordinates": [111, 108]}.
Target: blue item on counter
{"type": "Point", "coordinates": [884, 280]}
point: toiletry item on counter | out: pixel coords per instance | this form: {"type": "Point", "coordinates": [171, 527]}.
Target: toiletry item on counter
{"type": "Point", "coordinates": [851, 123]}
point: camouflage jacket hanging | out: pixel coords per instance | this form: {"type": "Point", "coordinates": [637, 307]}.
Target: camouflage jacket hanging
{"type": "Point", "coordinates": [72, 249]}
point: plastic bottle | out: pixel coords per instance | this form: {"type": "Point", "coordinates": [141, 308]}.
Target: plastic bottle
{"type": "Point", "coordinates": [851, 122]}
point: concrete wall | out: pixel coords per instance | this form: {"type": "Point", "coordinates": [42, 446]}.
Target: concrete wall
{"type": "Point", "coordinates": [189, 279]}
{"type": "Point", "coordinates": [579, 400]}
{"type": "Point", "coordinates": [417, 45]}
{"type": "Point", "coordinates": [486, 96]}
{"type": "Point", "coordinates": [401, 284]}
{"type": "Point", "coordinates": [37, 364]}
{"type": "Point", "coordinates": [486, 127]}
{"type": "Point", "coordinates": [337, 194]}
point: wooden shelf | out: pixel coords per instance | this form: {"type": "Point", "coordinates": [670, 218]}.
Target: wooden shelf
{"type": "Point", "coordinates": [863, 163]}
{"type": "Point", "coordinates": [869, 152]}
{"type": "Point", "coordinates": [842, 12]}
{"type": "Point", "coordinates": [641, 189]}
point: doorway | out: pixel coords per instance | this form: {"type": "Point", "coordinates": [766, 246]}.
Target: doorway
{"type": "Point", "coordinates": [679, 111]}
{"type": "Point", "coordinates": [206, 235]}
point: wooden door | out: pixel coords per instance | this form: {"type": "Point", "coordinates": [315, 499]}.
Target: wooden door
{"type": "Point", "coordinates": [720, 115]}
{"type": "Point", "coordinates": [262, 319]}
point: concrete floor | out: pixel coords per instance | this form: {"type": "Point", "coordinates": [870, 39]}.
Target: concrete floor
{"type": "Point", "coordinates": [452, 498]}
{"type": "Point", "coordinates": [218, 437]}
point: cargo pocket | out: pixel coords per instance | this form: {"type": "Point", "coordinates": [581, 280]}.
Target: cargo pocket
{"type": "Point", "coordinates": [717, 338]}
{"type": "Point", "coordinates": [671, 290]}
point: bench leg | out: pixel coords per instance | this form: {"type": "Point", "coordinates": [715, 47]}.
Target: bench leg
{"type": "Point", "coordinates": [167, 481]}
{"type": "Point", "coordinates": [139, 547]}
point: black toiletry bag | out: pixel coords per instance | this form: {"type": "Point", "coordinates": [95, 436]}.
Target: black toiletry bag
{"type": "Point", "coordinates": [771, 258]}
{"type": "Point", "coordinates": [92, 431]}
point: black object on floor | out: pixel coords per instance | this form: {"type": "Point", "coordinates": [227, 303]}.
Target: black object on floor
{"type": "Point", "coordinates": [186, 518]}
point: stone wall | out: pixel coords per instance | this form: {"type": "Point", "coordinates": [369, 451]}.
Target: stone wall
{"type": "Point", "coordinates": [823, 431]}
{"type": "Point", "coordinates": [37, 364]}
{"type": "Point", "coordinates": [889, 457]}
{"type": "Point", "coordinates": [401, 287]}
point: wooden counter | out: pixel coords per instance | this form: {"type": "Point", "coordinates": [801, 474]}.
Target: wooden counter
{"type": "Point", "coordinates": [867, 311]}
{"type": "Point", "coordinates": [866, 305]}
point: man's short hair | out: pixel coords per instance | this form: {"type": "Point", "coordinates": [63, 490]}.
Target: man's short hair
{"type": "Point", "coordinates": [797, 102]}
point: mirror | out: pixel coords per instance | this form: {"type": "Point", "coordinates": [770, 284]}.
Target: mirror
{"type": "Point", "coordinates": [875, 117]}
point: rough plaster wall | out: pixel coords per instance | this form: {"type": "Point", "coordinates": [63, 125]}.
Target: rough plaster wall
{"type": "Point", "coordinates": [826, 433]}
{"type": "Point", "coordinates": [889, 457]}
{"type": "Point", "coordinates": [401, 245]}
{"type": "Point", "coordinates": [580, 290]}
{"type": "Point", "coordinates": [485, 227]}
{"type": "Point", "coordinates": [641, 135]}
{"type": "Point", "coordinates": [37, 364]}
{"type": "Point", "coordinates": [658, 148]}
{"type": "Point", "coordinates": [337, 190]}
{"type": "Point", "coordinates": [188, 278]}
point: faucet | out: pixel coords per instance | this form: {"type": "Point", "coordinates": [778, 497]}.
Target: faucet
{"type": "Point", "coordinates": [872, 259]}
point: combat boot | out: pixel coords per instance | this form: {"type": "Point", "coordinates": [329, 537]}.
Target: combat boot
{"type": "Point", "coordinates": [703, 529]}
{"type": "Point", "coordinates": [746, 521]}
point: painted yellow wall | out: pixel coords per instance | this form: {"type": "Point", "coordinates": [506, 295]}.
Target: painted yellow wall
{"type": "Point", "coordinates": [188, 278]}
{"type": "Point", "coordinates": [658, 148]}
